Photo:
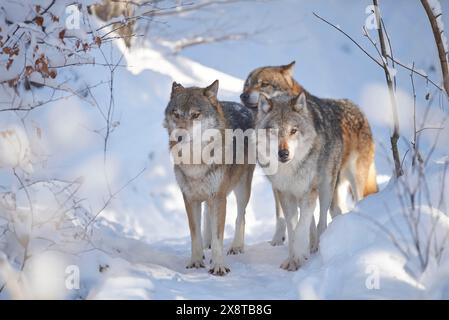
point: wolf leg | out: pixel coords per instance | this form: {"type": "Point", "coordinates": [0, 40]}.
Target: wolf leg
{"type": "Point", "coordinates": [207, 232]}
{"type": "Point", "coordinates": [355, 188]}
{"type": "Point", "coordinates": [217, 210]}
{"type": "Point", "coordinates": [301, 245]}
{"type": "Point", "coordinates": [313, 236]}
{"type": "Point", "coordinates": [279, 235]}
{"type": "Point", "coordinates": [336, 204]}
{"type": "Point", "coordinates": [326, 192]}
{"type": "Point", "coordinates": [290, 207]}
{"type": "Point", "coordinates": [242, 193]}
{"type": "Point", "coordinates": [193, 209]}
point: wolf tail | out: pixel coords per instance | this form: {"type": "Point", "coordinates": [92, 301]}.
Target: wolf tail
{"type": "Point", "coordinates": [371, 182]}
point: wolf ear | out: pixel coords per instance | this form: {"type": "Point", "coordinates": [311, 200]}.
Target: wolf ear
{"type": "Point", "coordinates": [300, 103]}
{"type": "Point", "coordinates": [212, 90]}
{"type": "Point", "coordinates": [264, 104]}
{"type": "Point", "coordinates": [176, 88]}
{"type": "Point", "coordinates": [288, 68]}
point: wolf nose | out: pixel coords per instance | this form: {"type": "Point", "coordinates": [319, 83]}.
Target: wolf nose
{"type": "Point", "coordinates": [283, 155]}
{"type": "Point", "coordinates": [244, 96]}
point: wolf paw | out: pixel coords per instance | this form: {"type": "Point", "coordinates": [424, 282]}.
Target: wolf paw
{"type": "Point", "coordinates": [294, 263]}
{"type": "Point", "coordinates": [196, 264]}
{"type": "Point", "coordinates": [290, 264]}
{"type": "Point", "coordinates": [277, 241]}
{"type": "Point", "coordinates": [235, 250]}
{"type": "Point", "coordinates": [219, 270]}
{"type": "Point", "coordinates": [314, 247]}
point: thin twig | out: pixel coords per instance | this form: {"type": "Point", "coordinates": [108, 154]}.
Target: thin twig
{"type": "Point", "coordinates": [112, 196]}
{"type": "Point", "coordinates": [350, 38]}
{"type": "Point", "coordinates": [374, 59]}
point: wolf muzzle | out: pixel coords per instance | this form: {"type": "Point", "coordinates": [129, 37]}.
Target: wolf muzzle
{"type": "Point", "coordinates": [283, 155]}
{"type": "Point", "coordinates": [244, 97]}
{"type": "Point", "coordinates": [249, 99]}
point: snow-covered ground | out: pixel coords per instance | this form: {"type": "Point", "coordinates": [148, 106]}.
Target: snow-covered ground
{"type": "Point", "coordinates": [139, 244]}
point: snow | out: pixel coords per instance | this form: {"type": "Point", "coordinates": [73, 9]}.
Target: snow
{"type": "Point", "coordinates": [137, 248]}
{"type": "Point", "coordinates": [353, 248]}
{"type": "Point", "coordinates": [15, 151]}
{"type": "Point", "coordinates": [184, 70]}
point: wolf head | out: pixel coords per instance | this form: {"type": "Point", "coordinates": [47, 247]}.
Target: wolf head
{"type": "Point", "coordinates": [288, 120]}
{"type": "Point", "coordinates": [189, 106]}
{"type": "Point", "coordinates": [272, 81]}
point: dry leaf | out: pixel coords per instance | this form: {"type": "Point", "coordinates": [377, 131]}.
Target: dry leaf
{"type": "Point", "coordinates": [98, 41]}
{"type": "Point", "coordinates": [28, 70]}
{"type": "Point", "coordinates": [9, 63]}
{"type": "Point", "coordinates": [61, 35]}
{"type": "Point", "coordinates": [39, 21]}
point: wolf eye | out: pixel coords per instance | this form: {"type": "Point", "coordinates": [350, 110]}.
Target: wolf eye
{"type": "Point", "coordinates": [176, 114]}
{"type": "Point", "coordinates": [265, 84]}
{"type": "Point", "coordinates": [293, 131]}
{"type": "Point", "coordinates": [195, 115]}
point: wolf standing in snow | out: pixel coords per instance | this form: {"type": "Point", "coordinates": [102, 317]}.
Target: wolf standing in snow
{"type": "Point", "coordinates": [357, 156]}
{"type": "Point", "coordinates": [202, 181]}
{"type": "Point", "coordinates": [310, 153]}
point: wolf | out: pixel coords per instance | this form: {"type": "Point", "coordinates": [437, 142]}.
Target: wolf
{"type": "Point", "coordinates": [310, 151]}
{"type": "Point", "coordinates": [357, 169]}
{"type": "Point", "coordinates": [210, 183]}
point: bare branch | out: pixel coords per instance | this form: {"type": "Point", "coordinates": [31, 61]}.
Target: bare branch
{"type": "Point", "coordinates": [350, 38]}
{"type": "Point", "coordinates": [198, 40]}
{"type": "Point", "coordinates": [389, 78]}
{"type": "Point", "coordinates": [112, 197]}
{"type": "Point", "coordinates": [373, 58]}
{"type": "Point", "coordinates": [437, 34]}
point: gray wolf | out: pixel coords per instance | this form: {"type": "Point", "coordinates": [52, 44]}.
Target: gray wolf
{"type": "Point", "coordinates": [357, 162]}
{"type": "Point", "coordinates": [310, 152]}
{"type": "Point", "coordinates": [210, 183]}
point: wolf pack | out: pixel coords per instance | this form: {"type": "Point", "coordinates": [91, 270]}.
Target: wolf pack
{"type": "Point", "coordinates": [322, 148]}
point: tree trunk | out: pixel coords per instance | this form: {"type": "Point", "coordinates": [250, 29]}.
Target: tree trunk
{"type": "Point", "coordinates": [437, 34]}
{"type": "Point", "coordinates": [395, 135]}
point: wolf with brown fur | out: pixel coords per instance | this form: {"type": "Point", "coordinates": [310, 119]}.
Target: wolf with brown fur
{"type": "Point", "coordinates": [357, 162]}
{"type": "Point", "coordinates": [204, 182]}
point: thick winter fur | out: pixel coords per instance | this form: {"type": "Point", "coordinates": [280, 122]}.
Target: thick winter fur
{"type": "Point", "coordinates": [358, 146]}
{"type": "Point", "coordinates": [310, 152]}
{"type": "Point", "coordinates": [210, 183]}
